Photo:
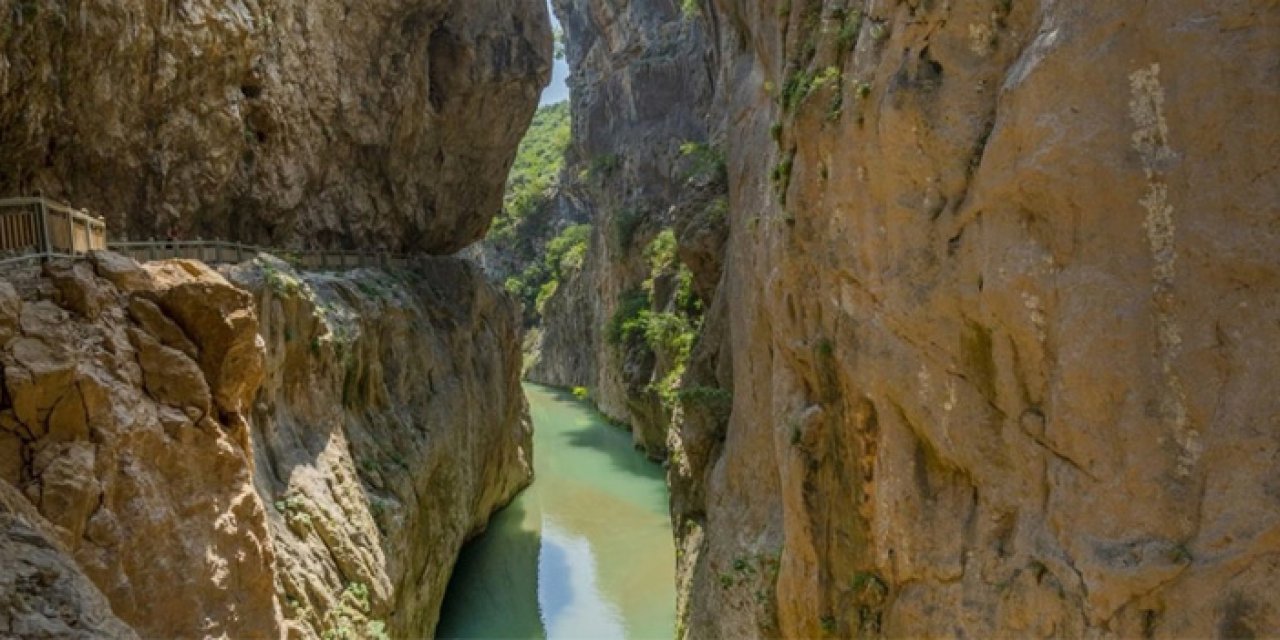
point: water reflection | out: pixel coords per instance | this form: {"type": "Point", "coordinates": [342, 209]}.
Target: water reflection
{"type": "Point", "coordinates": [584, 553]}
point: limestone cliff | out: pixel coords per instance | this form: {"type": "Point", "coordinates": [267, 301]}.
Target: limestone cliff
{"type": "Point", "coordinates": [996, 316]}
{"type": "Point", "coordinates": [124, 422]}
{"type": "Point", "coordinates": [304, 459]}
{"type": "Point", "coordinates": [1001, 293]}
{"type": "Point", "coordinates": [641, 163]}
{"type": "Point", "coordinates": [385, 123]}
{"type": "Point", "coordinates": [390, 425]}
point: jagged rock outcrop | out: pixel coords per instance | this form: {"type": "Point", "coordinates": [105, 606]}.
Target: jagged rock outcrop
{"type": "Point", "coordinates": [387, 124]}
{"type": "Point", "coordinates": [293, 456]}
{"type": "Point", "coordinates": [135, 452]}
{"type": "Point", "coordinates": [642, 83]}
{"type": "Point", "coordinates": [1000, 300]}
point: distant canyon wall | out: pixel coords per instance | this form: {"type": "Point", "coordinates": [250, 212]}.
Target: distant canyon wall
{"type": "Point", "coordinates": [642, 80]}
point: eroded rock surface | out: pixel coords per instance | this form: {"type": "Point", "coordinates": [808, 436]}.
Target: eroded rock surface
{"type": "Point", "coordinates": [997, 312]}
{"type": "Point", "coordinates": [116, 440]}
{"type": "Point", "coordinates": [43, 594]}
{"type": "Point", "coordinates": [642, 89]}
{"type": "Point", "coordinates": [286, 456]}
{"type": "Point", "coordinates": [390, 426]}
{"type": "Point", "coordinates": [999, 293]}
{"type": "Point", "coordinates": [388, 124]}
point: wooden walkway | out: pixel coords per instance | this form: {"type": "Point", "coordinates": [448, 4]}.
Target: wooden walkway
{"type": "Point", "coordinates": [37, 228]}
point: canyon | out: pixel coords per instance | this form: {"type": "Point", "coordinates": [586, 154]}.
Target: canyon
{"type": "Point", "coordinates": [249, 450]}
{"type": "Point", "coordinates": [987, 308]}
{"type": "Point", "coordinates": [946, 319]}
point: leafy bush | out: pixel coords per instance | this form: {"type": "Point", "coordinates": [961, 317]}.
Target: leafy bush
{"type": "Point", "coordinates": [661, 251]}
{"type": "Point", "coordinates": [539, 281]}
{"type": "Point", "coordinates": [629, 319]}
{"type": "Point", "coordinates": [567, 251]}
{"type": "Point", "coordinates": [850, 27]}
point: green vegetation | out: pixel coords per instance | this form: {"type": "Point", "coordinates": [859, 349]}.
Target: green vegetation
{"type": "Point", "coordinates": [690, 9]}
{"type": "Point", "coordinates": [581, 393]}
{"type": "Point", "coordinates": [705, 162]}
{"type": "Point", "coordinates": [629, 319]}
{"type": "Point", "coordinates": [280, 282]}
{"type": "Point", "coordinates": [828, 623]}
{"type": "Point", "coordinates": [718, 209]}
{"type": "Point", "coordinates": [781, 177]}
{"type": "Point", "coordinates": [669, 333]}
{"type": "Point", "coordinates": [349, 620]}
{"type": "Point", "coordinates": [603, 166]}
{"type": "Point", "coordinates": [850, 27]}
{"type": "Point", "coordinates": [563, 255]}
{"type": "Point", "coordinates": [536, 170]}
{"type": "Point", "coordinates": [801, 84]}
{"type": "Point", "coordinates": [718, 402]}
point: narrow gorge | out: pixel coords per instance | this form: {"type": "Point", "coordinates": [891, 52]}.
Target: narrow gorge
{"type": "Point", "coordinates": [798, 319]}
{"type": "Point", "coordinates": [950, 319]}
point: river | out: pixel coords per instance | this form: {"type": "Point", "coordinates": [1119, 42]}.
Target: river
{"type": "Point", "coordinates": [585, 552]}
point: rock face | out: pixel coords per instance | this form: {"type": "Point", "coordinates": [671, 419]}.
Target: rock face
{"type": "Point", "coordinates": [997, 313]}
{"type": "Point", "coordinates": [43, 594]}
{"type": "Point", "coordinates": [390, 124]}
{"type": "Point", "coordinates": [642, 86]}
{"type": "Point", "coordinates": [135, 452]}
{"type": "Point", "coordinates": [304, 459]}
{"type": "Point", "coordinates": [390, 426]}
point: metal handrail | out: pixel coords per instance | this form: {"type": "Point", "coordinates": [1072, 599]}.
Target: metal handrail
{"type": "Point", "coordinates": [77, 232]}
{"type": "Point", "coordinates": [220, 251]}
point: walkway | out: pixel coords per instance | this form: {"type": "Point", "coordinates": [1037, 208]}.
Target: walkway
{"type": "Point", "coordinates": [36, 228]}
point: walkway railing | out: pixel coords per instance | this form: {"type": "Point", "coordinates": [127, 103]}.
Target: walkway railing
{"type": "Point", "coordinates": [217, 251]}
{"type": "Point", "coordinates": [37, 228]}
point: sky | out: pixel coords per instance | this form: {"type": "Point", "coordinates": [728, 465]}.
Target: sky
{"type": "Point", "coordinates": [557, 91]}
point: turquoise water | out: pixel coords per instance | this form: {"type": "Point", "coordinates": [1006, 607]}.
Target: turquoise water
{"type": "Point", "coordinates": [585, 552]}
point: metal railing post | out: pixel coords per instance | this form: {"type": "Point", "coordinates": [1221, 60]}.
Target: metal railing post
{"type": "Point", "coordinates": [45, 244]}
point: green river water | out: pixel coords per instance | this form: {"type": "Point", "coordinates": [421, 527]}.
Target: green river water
{"type": "Point", "coordinates": [585, 552]}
